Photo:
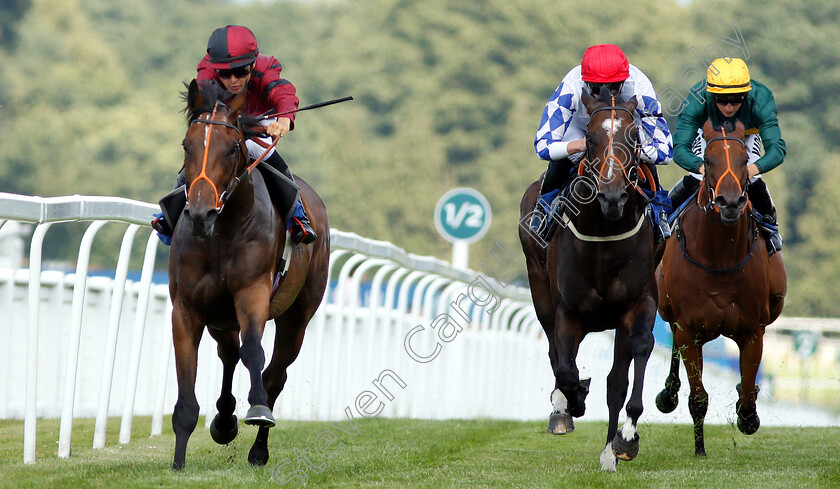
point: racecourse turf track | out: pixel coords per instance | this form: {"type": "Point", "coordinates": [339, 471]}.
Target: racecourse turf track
{"type": "Point", "coordinates": [419, 453]}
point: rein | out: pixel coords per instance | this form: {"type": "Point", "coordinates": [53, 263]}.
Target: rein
{"type": "Point", "coordinates": [611, 156]}
{"type": "Point", "coordinates": [566, 220]}
{"type": "Point", "coordinates": [713, 271]}
{"type": "Point", "coordinates": [222, 198]}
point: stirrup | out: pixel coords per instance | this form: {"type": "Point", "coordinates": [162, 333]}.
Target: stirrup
{"type": "Point", "coordinates": [302, 231]}
{"type": "Point", "coordinates": [537, 223]}
{"type": "Point", "coordinates": [164, 232]}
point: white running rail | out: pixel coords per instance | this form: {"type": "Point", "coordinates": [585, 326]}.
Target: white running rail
{"type": "Point", "coordinates": [397, 335]}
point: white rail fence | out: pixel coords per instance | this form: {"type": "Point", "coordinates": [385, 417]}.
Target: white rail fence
{"type": "Point", "coordinates": [397, 335]}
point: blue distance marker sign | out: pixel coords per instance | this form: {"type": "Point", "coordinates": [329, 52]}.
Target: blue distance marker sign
{"type": "Point", "coordinates": [463, 214]}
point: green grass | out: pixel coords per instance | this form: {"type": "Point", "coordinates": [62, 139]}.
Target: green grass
{"type": "Point", "coordinates": [412, 453]}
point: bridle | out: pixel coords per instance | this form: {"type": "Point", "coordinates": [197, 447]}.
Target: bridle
{"type": "Point", "coordinates": [713, 191]}
{"type": "Point", "coordinates": [632, 175]}
{"type": "Point", "coordinates": [221, 198]}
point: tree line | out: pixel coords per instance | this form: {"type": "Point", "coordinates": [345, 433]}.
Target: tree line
{"type": "Point", "coordinates": [447, 94]}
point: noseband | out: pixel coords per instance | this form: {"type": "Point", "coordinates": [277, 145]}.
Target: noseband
{"type": "Point", "coordinates": [713, 191]}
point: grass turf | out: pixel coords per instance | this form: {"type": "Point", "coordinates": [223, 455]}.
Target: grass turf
{"type": "Point", "coordinates": [421, 453]}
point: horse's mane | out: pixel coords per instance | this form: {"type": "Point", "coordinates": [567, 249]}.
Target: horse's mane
{"type": "Point", "coordinates": [212, 92]}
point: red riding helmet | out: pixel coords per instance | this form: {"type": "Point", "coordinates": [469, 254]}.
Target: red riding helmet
{"type": "Point", "coordinates": [232, 46]}
{"type": "Point", "coordinates": [604, 63]}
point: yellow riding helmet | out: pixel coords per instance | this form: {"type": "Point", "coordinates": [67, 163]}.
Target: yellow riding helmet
{"type": "Point", "coordinates": [728, 75]}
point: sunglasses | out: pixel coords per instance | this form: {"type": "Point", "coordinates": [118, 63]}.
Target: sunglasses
{"type": "Point", "coordinates": [730, 99]}
{"type": "Point", "coordinates": [240, 72]}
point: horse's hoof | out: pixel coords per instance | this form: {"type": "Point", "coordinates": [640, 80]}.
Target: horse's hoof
{"type": "Point", "coordinates": [749, 423]}
{"type": "Point", "coordinates": [560, 424]}
{"type": "Point", "coordinates": [666, 402]}
{"type": "Point", "coordinates": [700, 452]}
{"type": "Point", "coordinates": [260, 416]}
{"type": "Point", "coordinates": [257, 457]}
{"type": "Point", "coordinates": [623, 449]}
{"type": "Point", "coordinates": [223, 437]}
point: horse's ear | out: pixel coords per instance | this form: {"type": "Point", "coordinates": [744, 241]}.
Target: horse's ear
{"type": "Point", "coordinates": [237, 103]}
{"type": "Point", "coordinates": [631, 104]}
{"type": "Point", "coordinates": [194, 97]}
{"type": "Point", "coordinates": [587, 100]}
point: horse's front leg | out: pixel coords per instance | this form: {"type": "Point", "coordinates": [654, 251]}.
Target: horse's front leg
{"type": "Point", "coordinates": [224, 427]}
{"type": "Point", "coordinates": [636, 347]}
{"type": "Point", "coordinates": [751, 350]}
{"type": "Point", "coordinates": [569, 395]}
{"type": "Point", "coordinates": [252, 313]}
{"type": "Point", "coordinates": [186, 334]}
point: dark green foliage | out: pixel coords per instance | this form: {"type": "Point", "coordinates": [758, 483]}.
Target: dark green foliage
{"type": "Point", "coordinates": [448, 93]}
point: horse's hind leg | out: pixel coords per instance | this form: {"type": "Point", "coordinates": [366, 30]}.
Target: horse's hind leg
{"type": "Point", "coordinates": [698, 398]}
{"type": "Point", "coordinates": [667, 399]}
{"type": "Point", "coordinates": [751, 350]}
{"type": "Point", "coordinates": [291, 326]}
{"type": "Point", "coordinates": [224, 427]}
{"type": "Point", "coordinates": [186, 335]}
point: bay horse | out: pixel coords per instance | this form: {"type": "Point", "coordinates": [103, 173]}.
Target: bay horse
{"type": "Point", "coordinates": [224, 257]}
{"type": "Point", "coordinates": [596, 274]}
{"type": "Point", "coordinates": [716, 279]}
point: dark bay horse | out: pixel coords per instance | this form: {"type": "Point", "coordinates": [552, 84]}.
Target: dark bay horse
{"type": "Point", "coordinates": [716, 279]}
{"type": "Point", "coordinates": [596, 274]}
{"type": "Point", "coordinates": [224, 257]}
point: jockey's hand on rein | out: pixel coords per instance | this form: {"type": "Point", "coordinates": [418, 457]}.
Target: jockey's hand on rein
{"type": "Point", "coordinates": [279, 128]}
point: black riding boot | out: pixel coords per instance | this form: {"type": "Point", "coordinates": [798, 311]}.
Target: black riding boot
{"type": "Point", "coordinates": [171, 206]}
{"type": "Point", "coordinates": [657, 208]}
{"type": "Point", "coordinates": [556, 175]}
{"type": "Point", "coordinates": [762, 203]}
{"type": "Point", "coordinates": [300, 227]}
{"type": "Point", "coordinates": [682, 190]}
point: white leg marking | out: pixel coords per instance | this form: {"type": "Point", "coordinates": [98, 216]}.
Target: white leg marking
{"type": "Point", "coordinates": [608, 459]}
{"type": "Point", "coordinates": [558, 401]}
{"type": "Point", "coordinates": [628, 431]}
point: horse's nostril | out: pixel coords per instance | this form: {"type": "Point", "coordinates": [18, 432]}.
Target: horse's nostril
{"type": "Point", "coordinates": [720, 201]}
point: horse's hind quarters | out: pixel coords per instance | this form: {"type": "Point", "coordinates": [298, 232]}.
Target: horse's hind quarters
{"type": "Point", "coordinates": [260, 416]}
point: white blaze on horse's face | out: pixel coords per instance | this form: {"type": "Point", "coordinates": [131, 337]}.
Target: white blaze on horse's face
{"type": "Point", "coordinates": [611, 125]}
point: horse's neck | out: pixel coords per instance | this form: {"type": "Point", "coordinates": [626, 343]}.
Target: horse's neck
{"type": "Point", "coordinates": [708, 237]}
{"type": "Point", "coordinates": [241, 204]}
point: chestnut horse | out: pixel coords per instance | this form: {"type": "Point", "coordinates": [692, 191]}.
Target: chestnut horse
{"type": "Point", "coordinates": [224, 256]}
{"type": "Point", "coordinates": [596, 274]}
{"type": "Point", "coordinates": [716, 279]}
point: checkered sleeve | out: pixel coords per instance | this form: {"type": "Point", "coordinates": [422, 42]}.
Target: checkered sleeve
{"type": "Point", "coordinates": [657, 145]}
{"type": "Point", "coordinates": [556, 118]}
